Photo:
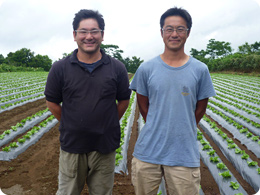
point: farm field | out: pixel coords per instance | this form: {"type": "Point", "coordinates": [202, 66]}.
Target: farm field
{"type": "Point", "coordinates": [229, 131]}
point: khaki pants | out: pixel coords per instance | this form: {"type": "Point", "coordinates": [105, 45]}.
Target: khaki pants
{"type": "Point", "coordinates": [94, 168]}
{"type": "Point", "coordinates": [146, 178]}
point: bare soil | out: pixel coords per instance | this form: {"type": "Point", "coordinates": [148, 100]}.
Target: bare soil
{"type": "Point", "coordinates": [35, 172]}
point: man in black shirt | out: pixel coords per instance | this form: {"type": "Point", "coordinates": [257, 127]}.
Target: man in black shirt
{"type": "Point", "coordinates": [88, 83]}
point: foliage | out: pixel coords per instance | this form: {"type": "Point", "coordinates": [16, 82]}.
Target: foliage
{"type": "Point", "coordinates": [225, 174]}
{"type": "Point", "coordinates": [131, 64]}
{"type": "Point", "coordinates": [24, 60]}
{"type": "Point", "coordinates": [234, 185]}
{"type": "Point", "coordinates": [219, 57]}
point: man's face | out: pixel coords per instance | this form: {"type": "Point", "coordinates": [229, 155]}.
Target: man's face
{"type": "Point", "coordinates": [88, 42]}
{"type": "Point", "coordinates": [174, 40]}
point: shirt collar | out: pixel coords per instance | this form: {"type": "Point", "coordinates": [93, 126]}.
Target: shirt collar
{"type": "Point", "coordinates": [104, 60]}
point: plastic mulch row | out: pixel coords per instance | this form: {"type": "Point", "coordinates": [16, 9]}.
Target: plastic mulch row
{"type": "Point", "coordinates": [249, 173]}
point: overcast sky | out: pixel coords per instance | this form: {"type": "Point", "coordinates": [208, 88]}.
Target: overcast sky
{"type": "Point", "coordinates": [45, 26]}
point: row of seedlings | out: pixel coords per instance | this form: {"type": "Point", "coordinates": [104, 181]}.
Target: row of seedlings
{"type": "Point", "coordinates": [250, 140]}
{"type": "Point", "coordinates": [31, 137]}
{"type": "Point", "coordinates": [22, 126]}
{"type": "Point", "coordinates": [247, 168]}
{"type": "Point", "coordinates": [126, 124]}
{"type": "Point", "coordinates": [227, 183]}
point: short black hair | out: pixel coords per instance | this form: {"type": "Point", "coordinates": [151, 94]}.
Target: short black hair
{"type": "Point", "coordinates": [175, 11]}
{"type": "Point", "coordinates": [85, 14]}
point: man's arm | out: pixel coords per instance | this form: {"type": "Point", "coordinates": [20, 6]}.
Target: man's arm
{"type": "Point", "coordinates": [121, 107]}
{"type": "Point", "coordinates": [55, 109]}
{"type": "Point", "coordinates": [201, 109]}
{"type": "Point", "coordinates": [143, 103]}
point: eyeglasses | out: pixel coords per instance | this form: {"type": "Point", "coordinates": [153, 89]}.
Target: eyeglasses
{"type": "Point", "coordinates": [83, 33]}
{"type": "Point", "coordinates": [179, 30]}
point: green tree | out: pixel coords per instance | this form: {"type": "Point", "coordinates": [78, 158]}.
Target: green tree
{"type": "Point", "coordinates": [132, 64]}
{"type": "Point", "coordinates": [113, 51]}
{"type": "Point", "coordinates": [249, 49]}
{"type": "Point", "coordinates": [217, 49]}
{"type": "Point", "coordinates": [2, 59]}
{"type": "Point", "coordinates": [40, 61]}
{"type": "Point", "coordinates": [21, 57]}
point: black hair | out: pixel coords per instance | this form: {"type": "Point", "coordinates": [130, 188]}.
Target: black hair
{"type": "Point", "coordinates": [85, 14]}
{"type": "Point", "coordinates": [175, 11]}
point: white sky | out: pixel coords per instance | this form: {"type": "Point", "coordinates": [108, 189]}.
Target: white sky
{"type": "Point", "coordinates": [45, 26]}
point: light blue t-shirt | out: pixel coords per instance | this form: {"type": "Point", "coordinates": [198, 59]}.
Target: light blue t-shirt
{"type": "Point", "coordinates": [170, 133]}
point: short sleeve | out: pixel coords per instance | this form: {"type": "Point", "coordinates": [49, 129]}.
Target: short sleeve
{"type": "Point", "coordinates": [123, 91]}
{"type": "Point", "coordinates": [139, 82]}
{"type": "Point", "coordinates": [206, 88]}
{"type": "Point", "coordinates": [53, 89]}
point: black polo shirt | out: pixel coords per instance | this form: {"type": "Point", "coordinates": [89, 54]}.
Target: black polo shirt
{"type": "Point", "coordinates": [89, 119]}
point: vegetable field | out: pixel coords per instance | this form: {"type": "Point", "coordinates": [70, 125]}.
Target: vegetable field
{"type": "Point", "coordinates": [228, 137]}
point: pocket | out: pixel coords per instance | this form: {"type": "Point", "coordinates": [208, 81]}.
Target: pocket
{"type": "Point", "coordinates": [68, 163]}
{"type": "Point", "coordinates": [196, 176]}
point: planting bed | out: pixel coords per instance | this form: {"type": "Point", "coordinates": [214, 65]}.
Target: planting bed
{"type": "Point", "coordinates": [35, 170]}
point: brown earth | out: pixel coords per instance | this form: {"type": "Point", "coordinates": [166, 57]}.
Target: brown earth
{"type": "Point", "coordinates": [35, 171]}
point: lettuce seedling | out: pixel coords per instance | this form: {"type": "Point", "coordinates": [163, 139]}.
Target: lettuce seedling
{"type": "Point", "coordinates": [251, 164]}
{"type": "Point", "coordinates": [225, 174]}
{"type": "Point", "coordinates": [238, 151]}
{"type": "Point", "coordinates": [211, 153]}
{"type": "Point", "coordinates": [232, 145]}
{"type": "Point", "coordinates": [214, 159]}
{"type": "Point", "coordinates": [7, 149]}
{"type": "Point", "coordinates": [245, 155]}
{"type": "Point", "coordinates": [21, 140]}
{"type": "Point", "coordinates": [206, 147]}
{"type": "Point", "coordinates": [13, 145]}
{"type": "Point", "coordinates": [234, 185]}
{"type": "Point", "coordinates": [255, 138]}
{"type": "Point", "coordinates": [203, 142]}
{"type": "Point", "coordinates": [243, 130]}
{"type": "Point", "coordinates": [221, 166]}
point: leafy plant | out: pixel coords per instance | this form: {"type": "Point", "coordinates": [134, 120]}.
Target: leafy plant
{"type": "Point", "coordinates": [258, 170]}
{"type": "Point", "coordinates": [251, 164]}
{"type": "Point", "coordinates": [234, 185]}
{"type": "Point", "coordinates": [255, 138]}
{"type": "Point", "coordinates": [7, 132]}
{"type": "Point", "coordinates": [7, 149]}
{"type": "Point", "coordinates": [232, 145]}
{"type": "Point", "coordinates": [13, 145]}
{"type": "Point", "coordinates": [21, 140]}
{"type": "Point", "coordinates": [245, 155]}
{"type": "Point", "coordinates": [206, 147]}
{"type": "Point", "coordinates": [211, 153]}
{"type": "Point", "coordinates": [238, 151]}
{"type": "Point", "coordinates": [225, 174]}
{"type": "Point", "coordinates": [221, 166]}
{"type": "Point", "coordinates": [203, 142]}
{"type": "Point", "coordinates": [14, 128]}
{"type": "Point", "coordinates": [248, 135]}
{"type": "Point", "coordinates": [230, 141]}
{"type": "Point", "coordinates": [214, 159]}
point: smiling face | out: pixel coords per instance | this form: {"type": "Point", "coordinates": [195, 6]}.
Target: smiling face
{"type": "Point", "coordinates": [174, 41]}
{"type": "Point", "coordinates": [88, 43]}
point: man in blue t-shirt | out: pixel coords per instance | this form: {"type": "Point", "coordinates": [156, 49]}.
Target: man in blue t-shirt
{"type": "Point", "coordinates": [172, 93]}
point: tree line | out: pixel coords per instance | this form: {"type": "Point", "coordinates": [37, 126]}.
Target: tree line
{"type": "Point", "coordinates": [25, 60]}
{"type": "Point", "coordinates": [219, 56]}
